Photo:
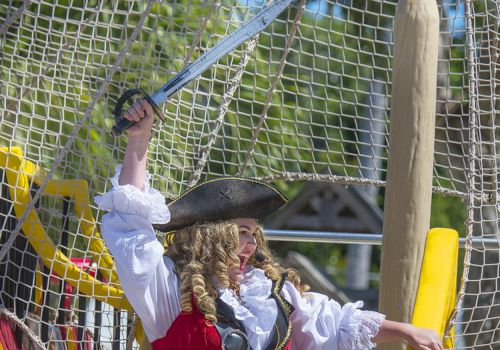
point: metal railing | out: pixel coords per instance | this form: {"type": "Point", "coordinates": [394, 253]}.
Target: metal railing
{"type": "Point", "coordinates": [359, 238]}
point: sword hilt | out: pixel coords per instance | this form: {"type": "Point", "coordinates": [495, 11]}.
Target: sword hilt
{"type": "Point", "coordinates": [123, 124]}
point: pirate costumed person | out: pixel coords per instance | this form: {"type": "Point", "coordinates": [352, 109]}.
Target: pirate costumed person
{"type": "Point", "coordinates": [218, 286]}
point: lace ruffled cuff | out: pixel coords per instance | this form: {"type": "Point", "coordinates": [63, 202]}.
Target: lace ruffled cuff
{"type": "Point", "coordinates": [358, 327]}
{"type": "Point", "coordinates": [148, 204]}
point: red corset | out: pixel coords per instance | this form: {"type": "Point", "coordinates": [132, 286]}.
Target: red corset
{"type": "Point", "coordinates": [189, 331]}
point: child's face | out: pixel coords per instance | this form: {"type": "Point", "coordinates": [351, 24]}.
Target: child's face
{"type": "Point", "coordinates": [247, 230]}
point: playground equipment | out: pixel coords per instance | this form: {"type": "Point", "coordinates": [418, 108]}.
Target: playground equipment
{"type": "Point", "coordinates": [307, 99]}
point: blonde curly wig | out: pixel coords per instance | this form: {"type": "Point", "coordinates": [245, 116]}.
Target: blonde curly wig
{"type": "Point", "coordinates": [203, 254]}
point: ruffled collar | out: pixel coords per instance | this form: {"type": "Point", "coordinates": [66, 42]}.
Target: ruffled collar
{"type": "Point", "coordinates": [253, 307]}
{"type": "Point", "coordinates": [255, 287]}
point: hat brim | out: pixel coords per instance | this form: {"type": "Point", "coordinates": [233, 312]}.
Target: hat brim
{"type": "Point", "coordinates": [223, 199]}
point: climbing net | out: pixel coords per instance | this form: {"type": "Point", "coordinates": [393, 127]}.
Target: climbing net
{"type": "Point", "coordinates": [307, 99]}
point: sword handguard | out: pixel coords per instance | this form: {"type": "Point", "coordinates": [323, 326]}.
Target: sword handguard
{"type": "Point", "coordinates": [123, 124]}
{"type": "Point", "coordinates": [250, 28]}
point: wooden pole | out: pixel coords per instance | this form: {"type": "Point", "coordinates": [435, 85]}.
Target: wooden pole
{"type": "Point", "coordinates": [411, 146]}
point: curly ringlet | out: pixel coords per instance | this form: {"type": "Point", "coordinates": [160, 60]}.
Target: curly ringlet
{"type": "Point", "coordinates": [271, 267]}
{"type": "Point", "coordinates": [203, 254]}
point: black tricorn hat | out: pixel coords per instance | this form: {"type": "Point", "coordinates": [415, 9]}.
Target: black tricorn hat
{"type": "Point", "coordinates": [222, 199]}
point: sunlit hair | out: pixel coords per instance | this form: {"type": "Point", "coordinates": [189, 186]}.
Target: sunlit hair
{"type": "Point", "coordinates": [202, 254]}
{"type": "Point", "coordinates": [271, 267]}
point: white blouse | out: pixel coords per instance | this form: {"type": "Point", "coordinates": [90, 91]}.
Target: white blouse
{"type": "Point", "coordinates": [152, 288]}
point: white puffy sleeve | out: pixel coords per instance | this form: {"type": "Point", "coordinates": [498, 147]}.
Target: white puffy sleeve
{"type": "Point", "coordinates": [146, 276]}
{"type": "Point", "coordinates": [321, 323]}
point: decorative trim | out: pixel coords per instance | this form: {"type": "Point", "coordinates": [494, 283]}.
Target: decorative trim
{"type": "Point", "coordinates": [286, 309]}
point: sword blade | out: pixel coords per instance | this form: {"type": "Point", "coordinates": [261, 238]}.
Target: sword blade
{"type": "Point", "coordinates": [250, 28]}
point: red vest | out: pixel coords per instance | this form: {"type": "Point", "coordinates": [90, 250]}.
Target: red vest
{"type": "Point", "coordinates": [189, 331]}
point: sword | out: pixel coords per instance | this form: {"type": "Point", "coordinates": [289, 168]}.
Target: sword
{"type": "Point", "coordinates": [250, 28]}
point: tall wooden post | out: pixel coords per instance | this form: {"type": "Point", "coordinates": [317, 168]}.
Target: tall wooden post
{"type": "Point", "coordinates": [409, 181]}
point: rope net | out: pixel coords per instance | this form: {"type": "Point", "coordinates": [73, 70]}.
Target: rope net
{"type": "Point", "coordinates": [306, 99]}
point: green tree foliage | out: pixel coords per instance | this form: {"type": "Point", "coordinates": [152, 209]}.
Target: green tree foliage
{"type": "Point", "coordinates": [56, 57]}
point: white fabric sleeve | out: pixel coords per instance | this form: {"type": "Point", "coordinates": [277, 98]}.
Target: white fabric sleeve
{"type": "Point", "coordinates": [145, 275]}
{"type": "Point", "coordinates": [321, 323]}
{"type": "Point", "coordinates": [128, 199]}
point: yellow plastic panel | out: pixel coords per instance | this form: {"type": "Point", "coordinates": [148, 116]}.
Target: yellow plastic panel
{"type": "Point", "coordinates": [16, 169]}
{"type": "Point", "coordinates": [437, 285]}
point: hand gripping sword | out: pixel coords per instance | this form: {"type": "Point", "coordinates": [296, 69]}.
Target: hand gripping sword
{"type": "Point", "coordinates": [250, 28]}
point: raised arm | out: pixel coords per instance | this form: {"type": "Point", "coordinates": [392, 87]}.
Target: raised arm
{"type": "Point", "coordinates": [145, 275]}
{"type": "Point", "coordinates": [134, 164]}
